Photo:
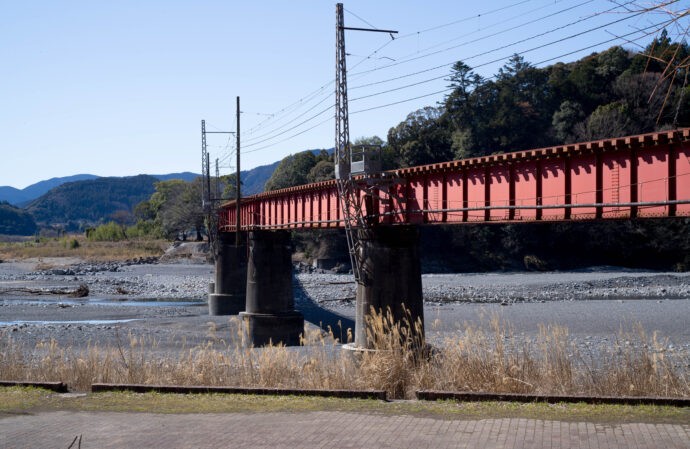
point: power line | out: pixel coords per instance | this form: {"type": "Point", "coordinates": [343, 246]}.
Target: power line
{"type": "Point", "coordinates": [572, 36]}
{"type": "Point", "coordinates": [290, 129]}
{"type": "Point", "coordinates": [316, 92]}
{"type": "Point", "coordinates": [660, 24]}
{"type": "Point", "coordinates": [486, 37]}
{"type": "Point", "coordinates": [464, 19]}
{"type": "Point", "coordinates": [297, 103]}
{"type": "Point", "coordinates": [291, 121]}
{"type": "Point", "coordinates": [434, 68]}
{"type": "Point", "coordinates": [292, 136]}
{"type": "Point", "coordinates": [526, 13]}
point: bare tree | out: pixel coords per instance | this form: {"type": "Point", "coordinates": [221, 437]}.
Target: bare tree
{"type": "Point", "coordinates": [674, 25]}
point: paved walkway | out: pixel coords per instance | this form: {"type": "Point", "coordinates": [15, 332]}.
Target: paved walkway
{"type": "Point", "coordinates": [323, 429]}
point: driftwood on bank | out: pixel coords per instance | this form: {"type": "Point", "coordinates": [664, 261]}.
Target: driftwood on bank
{"type": "Point", "coordinates": [79, 292]}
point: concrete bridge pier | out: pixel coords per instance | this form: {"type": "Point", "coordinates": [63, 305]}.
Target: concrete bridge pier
{"type": "Point", "coordinates": [230, 286]}
{"type": "Point", "coordinates": [391, 277]}
{"type": "Point", "coordinates": [270, 312]}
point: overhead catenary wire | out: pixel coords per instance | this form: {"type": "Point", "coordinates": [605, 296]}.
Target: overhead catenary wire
{"type": "Point", "coordinates": [536, 64]}
{"type": "Point", "coordinates": [572, 36]}
{"type": "Point", "coordinates": [251, 139]}
{"type": "Point", "coordinates": [302, 100]}
{"type": "Point", "coordinates": [315, 94]}
{"type": "Point", "coordinates": [323, 111]}
{"type": "Point", "coordinates": [448, 89]}
{"type": "Point", "coordinates": [544, 33]}
{"type": "Point", "coordinates": [292, 136]}
{"type": "Point", "coordinates": [493, 35]}
{"type": "Point", "coordinates": [495, 24]}
{"type": "Point", "coordinates": [306, 98]}
{"type": "Point", "coordinates": [444, 90]}
{"type": "Point", "coordinates": [642, 30]}
{"type": "Point", "coordinates": [465, 19]}
{"type": "Point", "coordinates": [416, 55]}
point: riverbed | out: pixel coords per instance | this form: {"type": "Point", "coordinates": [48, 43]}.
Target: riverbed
{"type": "Point", "coordinates": [165, 302]}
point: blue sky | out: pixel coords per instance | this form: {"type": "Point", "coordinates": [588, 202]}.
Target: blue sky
{"type": "Point", "coordinates": [120, 88]}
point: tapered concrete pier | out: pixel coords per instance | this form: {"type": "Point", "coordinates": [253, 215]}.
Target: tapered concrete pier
{"type": "Point", "coordinates": [391, 277]}
{"type": "Point", "coordinates": [270, 312]}
{"type": "Point", "coordinates": [229, 296]}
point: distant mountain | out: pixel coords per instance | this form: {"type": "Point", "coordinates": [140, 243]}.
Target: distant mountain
{"type": "Point", "coordinates": [22, 197]}
{"type": "Point", "coordinates": [185, 176]}
{"type": "Point", "coordinates": [16, 196]}
{"type": "Point", "coordinates": [91, 200]}
{"type": "Point", "coordinates": [253, 180]}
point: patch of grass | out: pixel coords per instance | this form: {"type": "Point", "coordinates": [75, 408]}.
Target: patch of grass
{"type": "Point", "coordinates": [78, 246]}
{"type": "Point", "coordinates": [22, 400]}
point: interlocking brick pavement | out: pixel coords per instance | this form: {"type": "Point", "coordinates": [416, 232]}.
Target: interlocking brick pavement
{"type": "Point", "coordinates": [324, 429]}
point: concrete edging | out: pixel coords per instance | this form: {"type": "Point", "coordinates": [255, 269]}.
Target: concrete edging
{"type": "Point", "coordinates": [470, 396]}
{"type": "Point", "coordinates": [197, 389]}
{"type": "Point", "coordinates": [57, 387]}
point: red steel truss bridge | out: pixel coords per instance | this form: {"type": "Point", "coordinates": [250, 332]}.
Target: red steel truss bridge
{"type": "Point", "coordinates": [640, 176]}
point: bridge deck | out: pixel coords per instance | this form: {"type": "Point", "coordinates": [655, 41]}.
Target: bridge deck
{"type": "Point", "coordinates": [641, 176]}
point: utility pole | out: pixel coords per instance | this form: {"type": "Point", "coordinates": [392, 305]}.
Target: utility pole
{"type": "Point", "coordinates": [203, 165]}
{"type": "Point", "coordinates": [217, 199]}
{"type": "Point", "coordinates": [348, 191]}
{"type": "Point", "coordinates": [238, 236]}
{"type": "Point", "coordinates": [209, 201]}
{"type": "Point", "coordinates": [208, 181]}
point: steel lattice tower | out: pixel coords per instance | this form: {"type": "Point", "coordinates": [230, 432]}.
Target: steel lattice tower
{"type": "Point", "coordinates": [346, 189]}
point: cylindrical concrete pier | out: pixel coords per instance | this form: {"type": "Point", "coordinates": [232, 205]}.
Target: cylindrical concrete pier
{"type": "Point", "coordinates": [229, 296]}
{"type": "Point", "coordinates": [270, 309]}
{"type": "Point", "coordinates": [391, 277]}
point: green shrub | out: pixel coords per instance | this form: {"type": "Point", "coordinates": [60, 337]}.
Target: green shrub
{"type": "Point", "coordinates": [108, 232]}
{"type": "Point", "coordinates": [145, 228]}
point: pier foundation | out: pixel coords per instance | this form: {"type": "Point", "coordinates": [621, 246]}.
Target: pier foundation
{"type": "Point", "coordinates": [391, 278]}
{"type": "Point", "coordinates": [270, 313]}
{"type": "Point", "coordinates": [230, 285]}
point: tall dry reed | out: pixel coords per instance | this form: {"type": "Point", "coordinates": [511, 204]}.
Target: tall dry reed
{"type": "Point", "coordinates": [484, 357]}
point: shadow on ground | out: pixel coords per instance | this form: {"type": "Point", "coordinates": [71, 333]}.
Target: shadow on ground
{"type": "Point", "coordinates": [320, 316]}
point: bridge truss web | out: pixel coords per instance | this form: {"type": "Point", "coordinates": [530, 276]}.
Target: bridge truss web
{"type": "Point", "coordinates": [641, 176]}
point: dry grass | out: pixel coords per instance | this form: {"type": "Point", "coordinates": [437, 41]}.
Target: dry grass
{"type": "Point", "coordinates": [88, 251]}
{"type": "Point", "coordinates": [476, 359]}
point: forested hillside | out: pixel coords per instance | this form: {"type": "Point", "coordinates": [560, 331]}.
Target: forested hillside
{"type": "Point", "coordinates": [14, 221]}
{"type": "Point", "coordinates": [609, 94]}
{"type": "Point", "coordinates": [91, 200]}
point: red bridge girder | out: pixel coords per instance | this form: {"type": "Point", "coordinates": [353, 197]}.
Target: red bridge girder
{"type": "Point", "coordinates": [641, 176]}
